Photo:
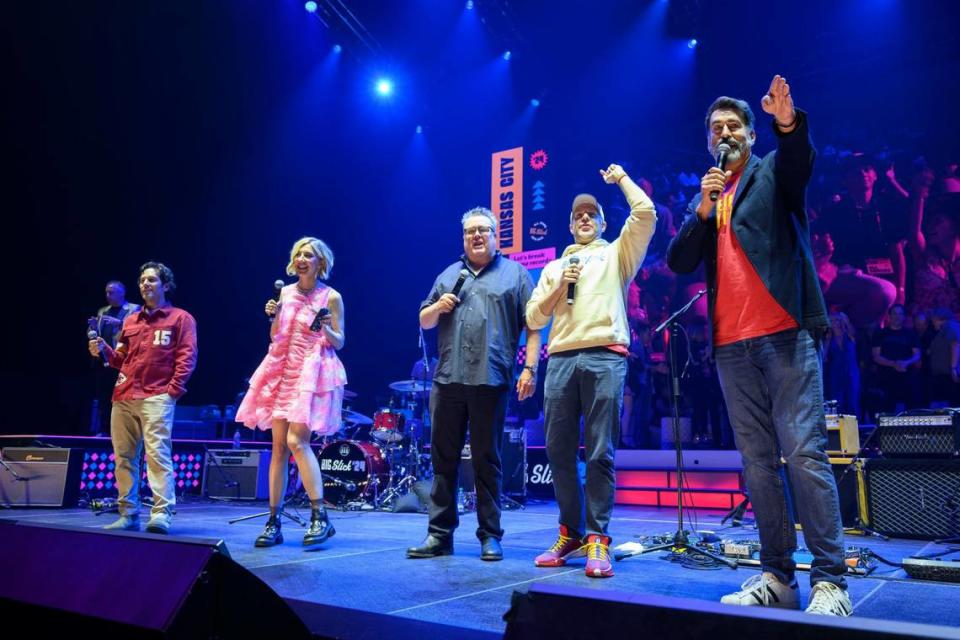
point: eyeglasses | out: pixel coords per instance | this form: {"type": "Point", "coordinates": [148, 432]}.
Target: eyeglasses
{"type": "Point", "coordinates": [469, 231]}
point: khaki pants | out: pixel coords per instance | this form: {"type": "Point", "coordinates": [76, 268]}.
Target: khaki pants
{"type": "Point", "coordinates": [138, 424]}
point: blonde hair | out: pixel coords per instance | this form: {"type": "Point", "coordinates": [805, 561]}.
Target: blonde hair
{"type": "Point", "coordinates": [320, 248]}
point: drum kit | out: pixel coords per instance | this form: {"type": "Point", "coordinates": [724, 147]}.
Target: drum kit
{"type": "Point", "coordinates": [377, 460]}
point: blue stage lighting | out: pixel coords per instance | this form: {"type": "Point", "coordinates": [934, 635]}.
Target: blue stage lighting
{"type": "Point", "coordinates": [310, 6]}
{"type": "Point", "coordinates": [534, 103]}
{"type": "Point", "coordinates": [507, 55]}
{"type": "Point", "coordinates": [469, 5]}
{"type": "Point", "coordinates": [337, 48]}
{"type": "Point", "coordinates": [384, 87]}
{"type": "Point", "coordinates": [692, 43]}
{"type": "Point", "coordinates": [419, 129]}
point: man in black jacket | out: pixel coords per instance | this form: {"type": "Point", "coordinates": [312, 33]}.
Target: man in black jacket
{"type": "Point", "coordinates": [749, 226]}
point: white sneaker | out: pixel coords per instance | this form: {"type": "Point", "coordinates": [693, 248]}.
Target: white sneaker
{"type": "Point", "coordinates": [159, 523]}
{"type": "Point", "coordinates": [827, 599]}
{"type": "Point", "coordinates": [124, 523]}
{"type": "Point", "coordinates": [765, 590]}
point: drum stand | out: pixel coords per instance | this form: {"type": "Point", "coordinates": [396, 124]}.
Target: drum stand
{"type": "Point", "coordinates": [397, 488]}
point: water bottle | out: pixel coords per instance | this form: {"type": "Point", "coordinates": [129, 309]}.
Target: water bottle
{"type": "Point", "coordinates": [236, 438]}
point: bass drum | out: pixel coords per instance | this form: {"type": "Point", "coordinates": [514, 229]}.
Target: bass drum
{"type": "Point", "coordinates": [352, 470]}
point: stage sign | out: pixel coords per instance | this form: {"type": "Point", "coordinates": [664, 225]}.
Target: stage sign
{"type": "Point", "coordinates": [506, 198]}
{"type": "Point", "coordinates": [536, 259]}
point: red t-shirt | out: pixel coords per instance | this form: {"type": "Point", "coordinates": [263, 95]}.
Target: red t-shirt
{"type": "Point", "coordinates": [156, 353]}
{"type": "Point", "coordinates": [744, 308]}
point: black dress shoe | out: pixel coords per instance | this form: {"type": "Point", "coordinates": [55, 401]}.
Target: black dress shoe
{"type": "Point", "coordinates": [431, 547]}
{"type": "Point", "coordinates": [320, 529]}
{"type": "Point", "coordinates": [490, 549]}
{"type": "Point", "coordinates": [271, 534]}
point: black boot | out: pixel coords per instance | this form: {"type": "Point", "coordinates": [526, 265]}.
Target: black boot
{"type": "Point", "coordinates": [431, 547]}
{"type": "Point", "coordinates": [271, 533]}
{"type": "Point", "coordinates": [320, 528]}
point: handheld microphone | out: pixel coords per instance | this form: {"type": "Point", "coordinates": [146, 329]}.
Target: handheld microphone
{"type": "Point", "coordinates": [571, 287]}
{"type": "Point", "coordinates": [93, 335]}
{"type": "Point", "coordinates": [463, 278]}
{"type": "Point", "coordinates": [317, 323]}
{"type": "Point", "coordinates": [723, 150]}
{"type": "Point", "coordinates": [277, 286]}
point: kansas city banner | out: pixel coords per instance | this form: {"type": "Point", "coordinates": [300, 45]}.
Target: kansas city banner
{"type": "Point", "coordinates": [506, 198]}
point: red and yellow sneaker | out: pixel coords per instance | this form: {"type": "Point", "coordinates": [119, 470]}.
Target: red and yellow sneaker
{"type": "Point", "coordinates": [568, 545]}
{"type": "Point", "coordinates": [597, 549]}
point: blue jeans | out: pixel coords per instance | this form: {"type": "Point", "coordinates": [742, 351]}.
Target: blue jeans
{"type": "Point", "coordinates": [587, 383]}
{"type": "Point", "coordinates": [774, 393]}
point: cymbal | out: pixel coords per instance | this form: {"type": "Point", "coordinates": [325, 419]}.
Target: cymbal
{"type": "Point", "coordinates": [355, 418]}
{"type": "Point", "coordinates": [410, 386]}
{"type": "Point", "coordinates": [349, 395]}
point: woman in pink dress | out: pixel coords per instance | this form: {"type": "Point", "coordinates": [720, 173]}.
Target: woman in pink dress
{"type": "Point", "coordinates": [298, 388]}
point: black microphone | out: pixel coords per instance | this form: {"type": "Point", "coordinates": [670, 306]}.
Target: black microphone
{"type": "Point", "coordinates": [317, 323]}
{"type": "Point", "coordinates": [723, 150]}
{"type": "Point", "coordinates": [571, 287]}
{"type": "Point", "coordinates": [463, 278]}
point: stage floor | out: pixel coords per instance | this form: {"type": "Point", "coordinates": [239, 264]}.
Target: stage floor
{"type": "Point", "coordinates": [363, 567]}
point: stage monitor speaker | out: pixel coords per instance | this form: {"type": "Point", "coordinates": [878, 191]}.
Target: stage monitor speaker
{"type": "Point", "coordinates": [513, 461]}
{"type": "Point", "coordinates": [40, 476]}
{"type": "Point", "coordinates": [93, 583]}
{"type": "Point", "coordinates": [556, 612]}
{"type": "Point", "coordinates": [913, 498]}
{"type": "Point", "coordinates": [238, 474]}
{"type": "Point", "coordinates": [920, 435]}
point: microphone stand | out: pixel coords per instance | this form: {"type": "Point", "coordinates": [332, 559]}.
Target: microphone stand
{"type": "Point", "coordinates": [680, 542]}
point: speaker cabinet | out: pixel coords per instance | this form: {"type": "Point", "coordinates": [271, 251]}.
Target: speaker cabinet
{"type": "Point", "coordinates": [513, 462]}
{"type": "Point", "coordinates": [40, 476]}
{"type": "Point", "coordinates": [913, 498]}
{"type": "Point", "coordinates": [557, 612]}
{"type": "Point", "coordinates": [238, 474]}
{"type": "Point", "coordinates": [93, 583]}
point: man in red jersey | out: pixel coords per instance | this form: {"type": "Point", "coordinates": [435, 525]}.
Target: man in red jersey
{"type": "Point", "coordinates": [156, 352]}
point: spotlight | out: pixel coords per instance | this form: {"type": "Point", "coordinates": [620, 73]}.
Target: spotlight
{"type": "Point", "coordinates": [310, 6]}
{"type": "Point", "coordinates": [534, 103]}
{"type": "Point", "coordinates": [692, 43]}
{"type": "Point", "coordinates": [384, 87]}
{"type": "Point", "coordinates": [337, 48]}
{"type": "Point", "coordinates": [419, 129]}
{"type": "Point", "coordinates": [507, 55]}
{"type": "Point", "coordinates": [469, 5]}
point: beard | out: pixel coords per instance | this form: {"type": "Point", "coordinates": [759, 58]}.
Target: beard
{"type": "Point", "coordinates": [738, 150]}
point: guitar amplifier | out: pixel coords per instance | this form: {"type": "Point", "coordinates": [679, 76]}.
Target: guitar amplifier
{"type": "Point", "coordinates": [927, 435]}
{"type": "Point", "coordinates": [843, 435]}
{"type": "Point", "coordinates": [850, 490]}
{"type": "Point", "coordinates": [40, 477]}
{"type": "Point", "coordinates": [913, 498]}
{"type": "Point", "coordinates": [238, 474]}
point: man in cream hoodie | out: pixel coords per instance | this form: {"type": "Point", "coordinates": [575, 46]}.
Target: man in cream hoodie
{"type": "Point", "coordinates": [588, 345]}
